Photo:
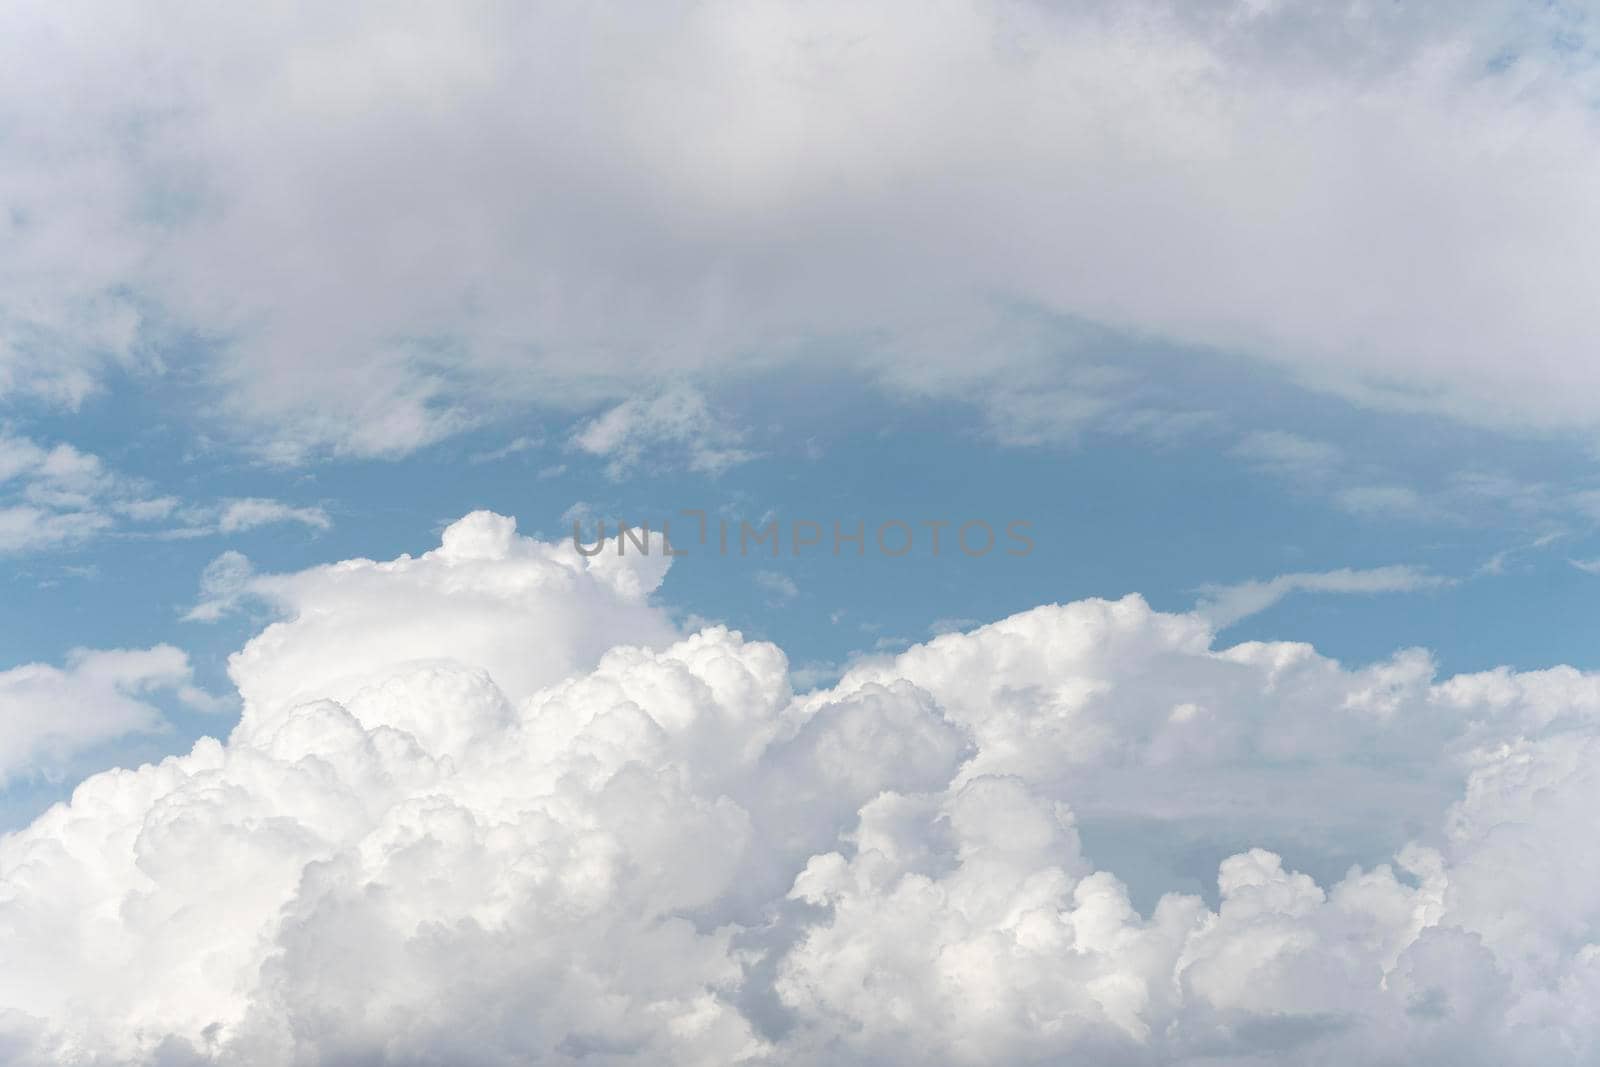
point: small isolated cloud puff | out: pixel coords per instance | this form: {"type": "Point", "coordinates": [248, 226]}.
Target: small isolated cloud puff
{"type": "Point", "coordinates": [224, 583]}
{"type": "Point", "coordinates": [455, 826]}
{"type": "Point", "coordinates": [779, 587]}
{"type": "Point", "coordinates": [676, 428]}
{"type": "Point", "coordinates": [249, 513]}
{"type": "Point", "coordinates": [50, 714]}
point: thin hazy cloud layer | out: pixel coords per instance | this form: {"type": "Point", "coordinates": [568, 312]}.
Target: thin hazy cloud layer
{"type": "Point", "coordinates": [441, 214]}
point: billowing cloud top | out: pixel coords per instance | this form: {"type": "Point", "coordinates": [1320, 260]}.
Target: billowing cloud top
{"type": "Point", "coordinates": [527, 612]}
{"type": "Point", "coordinates": [456, 826]}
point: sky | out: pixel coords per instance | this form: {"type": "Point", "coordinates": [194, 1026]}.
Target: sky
{"type": "Point", "coordinates": [1260, 335]}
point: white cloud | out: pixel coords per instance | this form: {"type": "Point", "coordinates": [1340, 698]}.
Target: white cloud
{"type": "Point", "coordinates": [526, 611]}
{"type": "Point", "coordinates": [1225, 605]}
{"type": "Point", "coordinates": [1290, 456]}
{"type": "Point", "coordinates": [741, 185]}
{"type": "Point", "coordinates": [1502, 561]}
{"type": "Point", "coordinates": [1386, 501]}
{"type": "Point", "coordinates": [224, 584]}
{"type": "Point", "coordinates": [675, 428]}
{"type": "Point", "coordinates": [150, 510]}
{"type": "Point", "coordinates": [779, 586]}
{"type": "Point", "coordinates": [24, 528]}
{"type": "Point", "coordinates": [48, 715]}
{"type": "Point", "coordinates": [1363, 487]}
{"type": "Point", "coordinates": [453, 826]}
{"type": "Point", "coordinates": [247, 514]}
{"type": "Point", "coordinates": [59, 496]}
{"type": "Point", "coordinates": [514, 447]}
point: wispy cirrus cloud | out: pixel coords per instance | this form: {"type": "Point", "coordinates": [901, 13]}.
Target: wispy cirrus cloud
{"type": "Point", "coordinates": [677, 428]}
{"type": "Point", "coordinates": [1225, 605]}
{"type": "Point", "coordinates": [1291, 456]}
{"type": "Point", "coordinates": [1395, 502]}
{"type": "Point", "coordinates": [58, 496]}
{"type": "Point", "coordinates": [234, 516]}
{"type": "Point", "coordinates": [779, 587]}
{"type": "Point", "coordinates": [224, 585]}
{"type": "Point", "coordinates": [516, 446]}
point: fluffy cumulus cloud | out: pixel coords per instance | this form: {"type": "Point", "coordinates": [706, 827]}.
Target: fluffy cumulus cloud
{"type": "Point", "coordinates": [437, 212]}
{"type": "Point", "coordinates": [528, 613]}
{"type": "Point", "coordinates": [484, 807]}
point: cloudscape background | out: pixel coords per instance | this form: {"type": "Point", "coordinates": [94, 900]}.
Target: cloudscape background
{"type": "Point", "coordinates": [1272, 323]}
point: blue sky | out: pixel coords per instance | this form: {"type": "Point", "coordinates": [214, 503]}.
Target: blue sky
{"type": "Point", "coordinates": [1246, 478]}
